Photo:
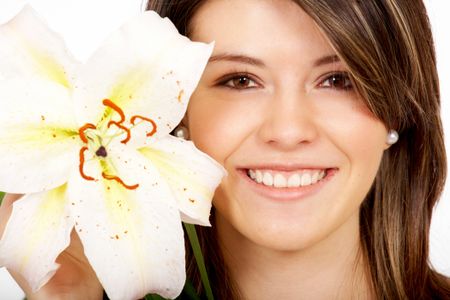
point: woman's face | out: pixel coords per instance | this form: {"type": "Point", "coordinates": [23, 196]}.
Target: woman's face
{"type": "Point", "coordinates": [276, 107]}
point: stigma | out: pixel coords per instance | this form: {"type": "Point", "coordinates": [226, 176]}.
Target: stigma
{"type": "Point", "coordinates": [101, 152]}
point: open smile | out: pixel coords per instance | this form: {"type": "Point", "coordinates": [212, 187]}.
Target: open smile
{"type": "Point", "coordinates": [286, 179]}
{"type": "Point", "coordinates": [282, 184]}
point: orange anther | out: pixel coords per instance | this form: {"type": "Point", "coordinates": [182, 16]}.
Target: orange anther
{"type": "Point", "coordinates": [123, 128]}
{"type": "Point", "coordinates": [110, 104]}
{"type": "Point", "coordinates": [81, 166]}
{"type": "Point", "coordinates": [133, 119]}
{"type": "Point", "coordinates": [83, 129]}
{"type": "Point", "coordinates": [112, 177]}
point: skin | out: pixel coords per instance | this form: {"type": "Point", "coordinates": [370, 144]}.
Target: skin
{"type": "Point", "coordinates": [268, 100]}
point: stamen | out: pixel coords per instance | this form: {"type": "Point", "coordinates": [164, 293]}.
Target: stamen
{"type": "Point", "coordinates": [83, 129]}
{"type": "Point", "coordinates": [123, 128]}
{"type": "Point", "coordinates": [133, 119]}
{"type": "Point", "coordinates": [112, 177]}
{"type": "Point", "coordinates": [81, 166]}
{"type": "Point", "coordinates": [110, 104]}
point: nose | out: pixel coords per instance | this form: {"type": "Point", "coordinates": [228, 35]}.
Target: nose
{"type": "Point", "coordinates": [289, 121]}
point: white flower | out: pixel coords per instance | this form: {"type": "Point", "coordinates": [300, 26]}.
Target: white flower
{"type": "Point", "coordinates": [89, 145]}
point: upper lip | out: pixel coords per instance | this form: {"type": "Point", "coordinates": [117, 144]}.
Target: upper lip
{"type": "Point", "coordinates": [285, 167]}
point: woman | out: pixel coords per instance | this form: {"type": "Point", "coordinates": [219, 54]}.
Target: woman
{"type": "Point", "coordinates": [303, 103]}
{"type": "Point", "coordinates": [307, 86]}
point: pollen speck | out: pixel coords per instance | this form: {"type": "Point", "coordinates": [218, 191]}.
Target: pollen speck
{"type": "Point", "coordinates": [43, 118]}
{"type": "Point", "coordinates": [192, 200]}
{"type": "Point", "coordinates": [180, 95]}
{"type": "Point", "coordinates": [117, 237]}
{"type": "Point", "coordinates": [53, 135]}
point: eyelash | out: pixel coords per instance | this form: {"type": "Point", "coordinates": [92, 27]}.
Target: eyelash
{"type": "Point", "coordinates": [228, 81]}
{"type": "Point", "coordinates": [348, 84]}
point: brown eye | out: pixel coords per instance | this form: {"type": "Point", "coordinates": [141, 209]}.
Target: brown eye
{"type": "Point", "coordinates": [339, 81]}
{"type": "Point", "coordinates": [239, 82]}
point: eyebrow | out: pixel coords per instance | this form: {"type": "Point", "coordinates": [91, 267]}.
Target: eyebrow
{"type": "Point", "coordinates": [326, 60]}
{"type": "Point", "coordinates": [237, 58]}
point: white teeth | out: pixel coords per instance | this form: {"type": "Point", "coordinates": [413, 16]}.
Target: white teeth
{"type": "Point", "coordinates": [294, 180]}
{"type": "Point", "coordinates": [267, 179]}
{"type": "Point", "coordinates": [315, 177]}
{"type": "Point", "coordinates": [279, 180]}
{"type": "Point", "coordinates": [259, 176]}
{"type": "Point", "coordinates": [306, 179]}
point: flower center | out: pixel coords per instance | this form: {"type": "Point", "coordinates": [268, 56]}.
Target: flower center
{"type": "Point", "coordinates": [91, 136]}
{"type": "Point", "coordinates": [101, 152]}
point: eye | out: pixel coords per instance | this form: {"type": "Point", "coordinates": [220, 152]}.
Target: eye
{"type": "Point", "coordinates": [338, 81]}
{"type": "Point", "coordinates": [238, 82]}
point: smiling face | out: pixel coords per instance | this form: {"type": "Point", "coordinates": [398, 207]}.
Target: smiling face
{"type": "Point", "coordinates": [276, 107]}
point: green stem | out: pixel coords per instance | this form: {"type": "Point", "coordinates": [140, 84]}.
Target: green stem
{"type": "Point", "coordinates": [193, 238]}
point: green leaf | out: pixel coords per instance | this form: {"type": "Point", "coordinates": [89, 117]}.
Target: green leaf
{"type": "Point", "coordinates": [189, 292]}
{"type": "Point", "coordinates": [154, 297]}
{"type": "Point", "coordinates": [193, 238]}
{"type": "Point", "coordinates": [2, 194]}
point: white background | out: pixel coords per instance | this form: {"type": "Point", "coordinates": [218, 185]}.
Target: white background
{"type": "Point", "coordinates": [84, 24]}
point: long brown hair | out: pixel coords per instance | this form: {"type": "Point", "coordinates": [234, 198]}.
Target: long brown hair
{"type": "Point", "coordinates": [388, 48]}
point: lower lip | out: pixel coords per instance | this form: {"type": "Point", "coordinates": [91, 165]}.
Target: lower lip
{"type": "Point", "coordinates": [288, 193]}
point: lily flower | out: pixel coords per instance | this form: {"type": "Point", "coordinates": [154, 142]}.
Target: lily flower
{"type": "Point", "coordinates": [89, 146]}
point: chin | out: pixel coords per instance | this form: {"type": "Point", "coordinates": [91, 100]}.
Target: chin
{"type": "Point", "coordinates": [283, 233]}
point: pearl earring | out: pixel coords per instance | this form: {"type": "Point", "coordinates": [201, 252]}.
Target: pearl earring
{"type": "Point", "coordinates": [392, 137]}
{"type": "Point", "coordinates": [181, 132]}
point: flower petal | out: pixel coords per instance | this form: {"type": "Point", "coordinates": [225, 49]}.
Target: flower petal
{"type": "Point", "coordinates": [37, 232]}
{"type": "Point", "coordinates": [192, 175]}
{"type": "Point", "coordinates": [38, 136]}
{"type": "Point", "coordinates": [132, 237]}
{"type": "Point", "coordinates": [30, 49]}
{"type": "Point", "coordinates": [146, 69]}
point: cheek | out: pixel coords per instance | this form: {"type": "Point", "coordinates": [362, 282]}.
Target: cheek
{"type": "Point", "coordinates": [216, 127]}
{"type": "Point", "coordinates": [361, 138]}
{"type": "Point", "coordinates": [353, 128]}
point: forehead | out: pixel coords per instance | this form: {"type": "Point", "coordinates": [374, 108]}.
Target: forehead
{"type": "Point", "coordinates": [277, 27]}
